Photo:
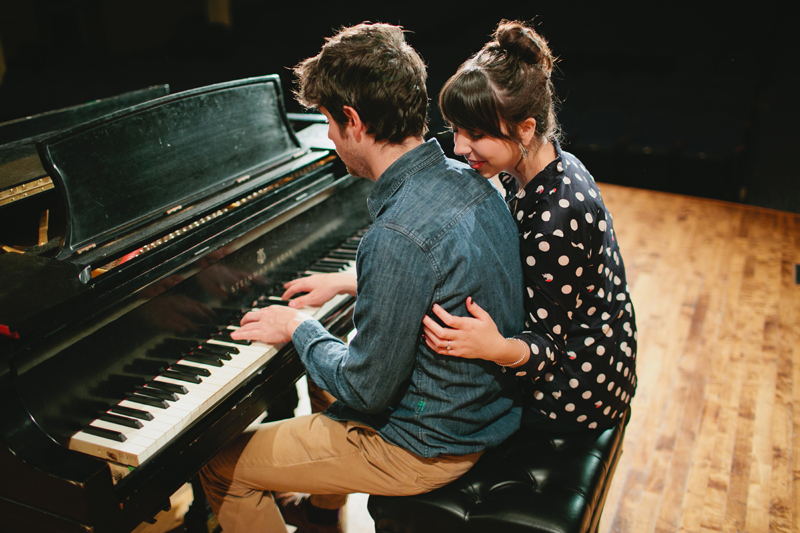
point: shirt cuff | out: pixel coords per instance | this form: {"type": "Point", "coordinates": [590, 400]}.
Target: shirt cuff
{"type": "Point", "coordinates": [306, 333]}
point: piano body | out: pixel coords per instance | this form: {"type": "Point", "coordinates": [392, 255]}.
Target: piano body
{"type": "Point", "coordinates": [180, 214]}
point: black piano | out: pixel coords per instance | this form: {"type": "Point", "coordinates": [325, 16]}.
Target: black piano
{"type": "Point", "coordinates": [181, 214]}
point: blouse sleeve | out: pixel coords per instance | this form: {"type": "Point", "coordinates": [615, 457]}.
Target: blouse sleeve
{"type": "Point", "coordinates": [554, 250]}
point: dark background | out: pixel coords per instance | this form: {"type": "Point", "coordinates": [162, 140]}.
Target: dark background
{"type": "Point", "coordinates": [678, 97]}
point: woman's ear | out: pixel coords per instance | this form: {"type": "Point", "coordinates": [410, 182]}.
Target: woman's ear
{"type": "Point", "coordinates": [527, 130]}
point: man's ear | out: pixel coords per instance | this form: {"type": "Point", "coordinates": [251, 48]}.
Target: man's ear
{"type": "Point", "coordinates": [354, 123]}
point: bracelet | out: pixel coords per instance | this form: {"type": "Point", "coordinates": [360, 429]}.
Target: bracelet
{"type": "Point", "coordinates": [518, 361]}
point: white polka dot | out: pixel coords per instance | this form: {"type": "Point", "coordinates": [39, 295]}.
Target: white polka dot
{"type": "Point", "coordinates": [569, 407]}
{"type": "Point", "coordinates": [521, 193]}
{"type": "Point", "coordinates": [530, 260]}
{"type": "Point", "coordinates": [581, 418]}
{"type": "Point", "coordinates": [592, 425]}
{"type": "Point", "coordinates": [566, 180]}
{"type": "Point", "coordinates": [573, 224]}
{"type": "Point", "coordinates": [535, 349]}
{"type": "Point", "coordinates": [588, 341]}
{"type": "Point", "coordinates": [541, 365]}
{"type": "Point", "coordinates": [601, 225]}
{"type": "Point", "coordinates": [530, 292]}
{"type": "Point", "coordinates": [607, 410]}
{"type": "Point", "coordinates": [566, 289]}
{"type": "Point", "coordinates": [559, 167]}
{"type": "Point", "coordinates": [541, 313]}
{"type": "Point", "coordinates": [546, 216]}
{"type": "Point", "coordinates": [573, 383]}
{"type": "Point", "coordinates": [601, 378]}
{"type": "Point", "coordinates": [579, 196]}
{"type": "Point", "coordinates": [563, 203]}
{"type": "Point", "coordinates": [605, 316]}
{"type": "Point", "coordinates": [619, 366]}
{"type": "Point", "coordinates": [553, 416]}
{"type": "Point", "coordinates": [520, 214]}
{"type": "Point", "coordinates": [601, 350]}
{"type": "Point", "coordinates": [579, 271]}
{"type": "Point", "coordinates": [586, 367]}
{"type": "Point", "coordinates": [589, 218]}
{"type": "Point", "coordinates": [544, 246]}
{"type": "Point", "coordinates": [548, 377]}
{"type": "Point", "coordinates": [558, 233]}
{"type": "Point", "coordinates": [610, 386]}
{"type": "Point", "coordinates": [591, 311]}
{"type": "Point", "coordinates": [557, 329]}
{"type": "Point", "coordinates": [586, 395]}
{"type": "Point", "coordinates": [563, 260]}
{"type": "Point", "coordinates": [538, 395]}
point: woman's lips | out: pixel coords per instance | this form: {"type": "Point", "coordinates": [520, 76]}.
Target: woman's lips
{"type": "Point", "coordinates": [475, 164]}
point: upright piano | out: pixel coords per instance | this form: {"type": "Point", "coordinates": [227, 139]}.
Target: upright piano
{"type": "Point", "coordinates": [118, 378]}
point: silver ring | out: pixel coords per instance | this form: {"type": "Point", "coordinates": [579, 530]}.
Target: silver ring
{"type": "Point", "coordinates": [448, 345]}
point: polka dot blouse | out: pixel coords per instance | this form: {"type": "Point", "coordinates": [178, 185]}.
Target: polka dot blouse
{"type": "Point", "coordinates": [580, 322]}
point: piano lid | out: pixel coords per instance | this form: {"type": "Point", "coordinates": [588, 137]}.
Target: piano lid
{"type": "Point", "coordinates": [124, 170]}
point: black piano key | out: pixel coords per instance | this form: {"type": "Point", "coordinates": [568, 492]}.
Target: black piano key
{"type": "Point", "coordinates": [105, 433]}
{"type": "Point", "coordinates": [186, 369]}
{"type": "Point", "coordinates": [156, 393]}
{"type": "Point", "coordinates": [225, 336]}
{"type": "Point", "coordinates": [328, 269]}
{"type": "Point", "coordinates": [128, 411]}
{"type": "Point", "coordinates": [121, 421]}
{"type": "Point", "coordinates": [216, 349]}
{"type": "Point", "coordinates": [147, 400]}
{"type": "Point", "coordinates": [182, 376]}
{"type": "Point", "coordinates": [171, 387]}
{"type": "Point", "coordinates": [342, 255]}
{"type": "Point", "coordinates": [205, 359]}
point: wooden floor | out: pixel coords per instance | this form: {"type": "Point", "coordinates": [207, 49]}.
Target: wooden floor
{"type": "Point", "coordinates": [711, 444]}
{"type": "Point", "coordinates": [714, 431]}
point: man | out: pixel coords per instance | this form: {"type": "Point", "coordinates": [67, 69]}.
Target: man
{"type": "Point", "coordinates": [407, 420]}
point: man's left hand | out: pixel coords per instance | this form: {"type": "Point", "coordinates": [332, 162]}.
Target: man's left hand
{"type": "Point", "coordinates": [273, 325]}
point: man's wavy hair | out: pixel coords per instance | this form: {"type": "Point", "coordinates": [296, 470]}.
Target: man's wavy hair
{"type": "Point", "coordinates": [371, 68]}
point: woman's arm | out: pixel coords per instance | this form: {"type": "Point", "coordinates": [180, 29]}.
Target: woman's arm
{"type": "Point", "coordinates": [473, 337]}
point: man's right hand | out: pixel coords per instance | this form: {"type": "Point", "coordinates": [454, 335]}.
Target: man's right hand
{"type": "Point", "coordinates": [320, 288]}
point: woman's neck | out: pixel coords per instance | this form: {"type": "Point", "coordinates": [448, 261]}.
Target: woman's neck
{"type": "Point", "coordinates": [535, 162]}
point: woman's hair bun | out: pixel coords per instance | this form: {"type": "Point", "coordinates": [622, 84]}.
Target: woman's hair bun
{"type": "Point", "coordinates": [520, 40]}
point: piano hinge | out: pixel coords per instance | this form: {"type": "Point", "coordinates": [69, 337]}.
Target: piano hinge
{"type": "Point", "coordinates": [86, 248]}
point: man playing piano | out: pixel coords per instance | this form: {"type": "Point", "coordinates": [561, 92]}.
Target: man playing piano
{"type": "Point", "coordinates": [406, 419]}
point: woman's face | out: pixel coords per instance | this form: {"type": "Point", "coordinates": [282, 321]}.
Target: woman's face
{"type": "Point", "coordinates": [487, 155]}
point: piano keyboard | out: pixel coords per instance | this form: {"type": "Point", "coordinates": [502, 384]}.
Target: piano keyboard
{"type": "Point", "coordinates": [144, 422]}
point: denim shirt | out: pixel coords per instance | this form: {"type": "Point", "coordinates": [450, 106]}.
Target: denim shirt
{"type": "Point", "coordinates": [440, 233]}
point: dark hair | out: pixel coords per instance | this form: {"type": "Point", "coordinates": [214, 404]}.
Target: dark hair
{"type": "Point", "coordinates": [372, 69]}
{"type": "Point", "coordinates": [506, 82]}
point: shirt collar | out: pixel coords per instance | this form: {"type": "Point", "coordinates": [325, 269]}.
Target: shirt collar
{"type": "Point", "coordinates": [423, 156]}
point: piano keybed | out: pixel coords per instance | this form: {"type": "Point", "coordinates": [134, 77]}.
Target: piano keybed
{"type": "Point", "coordinates": [140, 425]}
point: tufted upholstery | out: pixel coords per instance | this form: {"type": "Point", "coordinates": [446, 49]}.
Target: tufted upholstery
{"type": "Point", "coordinates": [534, 482]}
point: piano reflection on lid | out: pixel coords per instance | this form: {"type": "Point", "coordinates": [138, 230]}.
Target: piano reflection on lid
{"type": "Point", "coordinates": [117, 374]}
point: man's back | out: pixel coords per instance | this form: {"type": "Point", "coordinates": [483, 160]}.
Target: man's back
{"type": "Point", "coordinates": [440, 233]}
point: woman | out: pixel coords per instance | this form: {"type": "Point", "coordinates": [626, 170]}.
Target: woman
{"type": "Point", "coordinates": [576, 360]}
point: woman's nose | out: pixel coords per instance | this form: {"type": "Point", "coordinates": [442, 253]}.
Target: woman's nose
{"type": "Point", "coordinates": [461, 144]}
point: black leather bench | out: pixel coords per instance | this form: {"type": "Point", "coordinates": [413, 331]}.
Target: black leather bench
{"type": "Point", "coordinates": [534, 482]}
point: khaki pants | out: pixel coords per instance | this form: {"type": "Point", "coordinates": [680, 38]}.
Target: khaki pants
{"type": "Point", "coordinates": [317, 455]}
